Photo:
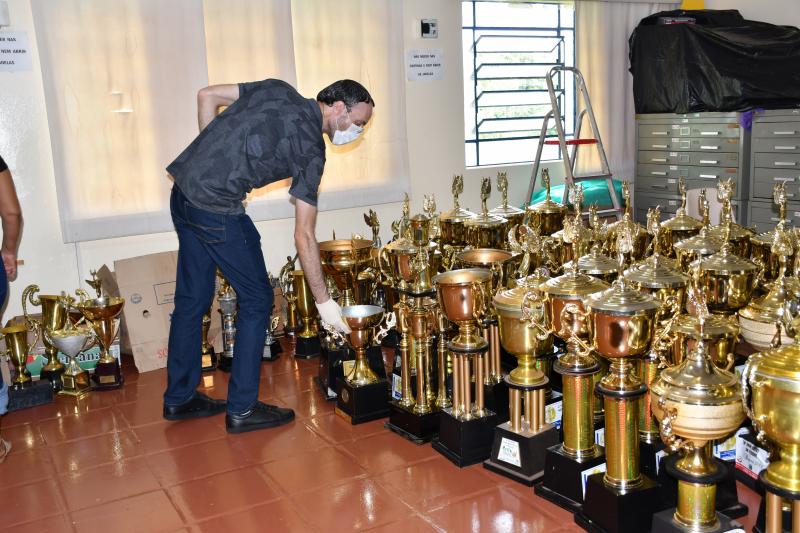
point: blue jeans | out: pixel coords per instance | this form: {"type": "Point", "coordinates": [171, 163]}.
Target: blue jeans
{"type": "Point", "coordinates": [231, 242]}
{"type": "Point", "coordinates": [3, 386]}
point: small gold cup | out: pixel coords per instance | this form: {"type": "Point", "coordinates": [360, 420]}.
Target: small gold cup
{"type": "Point", "coordinates": [306, 307]}
{"type": "Point", "coordinates": [16, 337]}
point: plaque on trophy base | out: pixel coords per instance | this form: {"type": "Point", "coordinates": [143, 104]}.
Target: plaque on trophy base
{"type": "Point", "coordinates": [209, 362]}
{"type": "Point", "coordinates": [607, 510]}
{"type": "Point", "coordinates": [107, 376]}
{"type": "Point", "coordinates": [333, 362]}
{"type": "Point", "coordinates": [307, 347]}
{"type": "Point", "coordinates": [362, 403]}
{"type": "Point", "coordinates": [418, 428]}
{"type": "Point", "coordinates": [520, 455]}
{"type": "Point", "coordinates": [562, 482]}
{"type": "Point", "coordinates": [465, 442]}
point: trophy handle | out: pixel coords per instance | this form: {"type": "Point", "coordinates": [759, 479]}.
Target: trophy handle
{"type": "Point", "coordinates": [384, 264]}
{"type": "Point", "coordinates": [746, 382]}
{"type": "Point", "coordinates": [334, 333]}
{"type": "Point", "coordinates": [29, 294]}
{"type": "Point", "coordinates": [389, 322]}
{"type": "Point", "coordinates": [273, 323]}
{"type": "Point", "coordinates": [91, 339]}
{"type": "Point", "coordinates": [478, 292]}
{"type": "Point", "coordinates": [573, 309]}
{"type": "Point", "coordinates": [533, 313]}
{"type": "Point", "coordinates": [673, 442]}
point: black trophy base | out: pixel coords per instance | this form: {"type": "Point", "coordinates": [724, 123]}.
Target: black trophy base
{"type": "Point", "coordinates": [53, 377]}
{"type": "Point", "coordinates": [664, 522]}
{"type": "Point", "coordinates": [107, 376]}
{"type": "Point", "coordinates": [606, 510]}
{"type": "Point", "coordinates": [364, 403]}
{"type": "Point", "coordinates": [465, 442]}
{"type": "Point", "coordinates": [272, 352]}
{"type": "Point", "coordinates": [727, 500]}
{"type": "Point", "coordinates": [650, 453]}
{"type": "Point", "coordinates": [32, 394]}
{"type": "Point", "coordinates": [495, 397]}
{"type": "Point", "coordinates": [416, 428]}
{"type": "Point", "coordinates": [208, 361]}
{"type": "Point", "coordinates": [562, 482]}
{"type": "Point", "coordinates": [520, 456]}
{"type": "Point", "coordinates": [761, 519]}
{"type": "Point", "coordinates": [225, 363]}
{"type": "Point", "coordinates": [330, 370]}
{"type": "Point", "coordinates": [307, 347]}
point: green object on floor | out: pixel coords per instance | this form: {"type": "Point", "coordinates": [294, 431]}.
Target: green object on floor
{"type": "Point", "coordinates": [594, 192]}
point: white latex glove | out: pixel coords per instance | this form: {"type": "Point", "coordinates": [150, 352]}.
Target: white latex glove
{"type": "Point", "coordinates": [331, 314]}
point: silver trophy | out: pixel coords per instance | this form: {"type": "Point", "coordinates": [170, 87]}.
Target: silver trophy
{"type": "Point", "coordinates": [227, 307]}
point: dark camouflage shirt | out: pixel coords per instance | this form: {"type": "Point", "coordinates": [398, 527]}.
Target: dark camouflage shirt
{"type": "Point", "coordinates": [269, 133]}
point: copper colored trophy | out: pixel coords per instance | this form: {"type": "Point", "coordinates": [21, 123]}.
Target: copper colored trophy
{"type": "Point", "coordinates": [102, 314]}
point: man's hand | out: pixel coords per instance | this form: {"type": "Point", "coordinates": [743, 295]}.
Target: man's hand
{"type": "Point", "coordinates": [331, 314]}
{"type": "Point", "coordinates": [9, 263]}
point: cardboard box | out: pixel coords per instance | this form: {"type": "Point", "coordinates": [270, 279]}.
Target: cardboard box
{"type": "Point", "coordinates": [147, 283]}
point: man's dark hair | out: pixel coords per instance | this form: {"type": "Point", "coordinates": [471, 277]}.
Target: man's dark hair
{"type": "Point", "coordinates": [348, 91]}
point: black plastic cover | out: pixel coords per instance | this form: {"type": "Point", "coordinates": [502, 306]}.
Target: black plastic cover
{"type": "Point", "coordinates": [721, 62]}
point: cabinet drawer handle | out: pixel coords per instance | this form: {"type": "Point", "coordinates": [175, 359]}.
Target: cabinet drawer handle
{"type": "Point", "coordinates": [709, 176]}
{"type": "Point", "coordinates": [785, 163]}
{"type": "Point", "coordinates": [710, 133]}
{"type": "Point", "coordinates": [660, 133]}
{"type": "Point", "coordinates": [708, 147]}
{"type": "Point", "coordinates": [659, 160]}
{"type": "Point", "coordinates": [785, 148]}
{"type": "Point", "coordinates": [775, 219]}
{"type": "Point", "coordinates": [658, 173]}
{"type": "Point", "coordinates": [708, 162]}
{"type": "Point", "coordinates": [664, 146]}
{"type": "Point", "coordinates": [785, 180]}
{"type": "Point", "coordinates": [792, 132]}
{"type": "Point", "coordinates": [659, 186]}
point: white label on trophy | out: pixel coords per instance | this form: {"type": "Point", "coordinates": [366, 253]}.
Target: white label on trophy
{"type": "Point", "coordinates": [509, 452]}
{"type": "Point", "coordinates": [590, 471]}
{"type": "Point", "coordinates": [396, 386]}
{"type": "Point", "coordinates": [347, 366]}
{"type": "Point", "coordinates": [552, 413]}
{"type": "Point", "coordinates": [600, 437]}
{"type": "Point", "coordinates": [331, 392]}
{"type": "Point", "coordinates": [750, 458]}
{"type": "Point", "coordinates": [726, 450]}
{"type": "Point", "coordinates": [659, 455]}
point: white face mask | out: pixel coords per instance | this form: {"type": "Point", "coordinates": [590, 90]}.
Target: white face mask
{"type": "Point", "coordinates": [347, 136]}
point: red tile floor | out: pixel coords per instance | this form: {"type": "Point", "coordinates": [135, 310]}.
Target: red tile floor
{"type": "Point", "coordinates": [110, 463]}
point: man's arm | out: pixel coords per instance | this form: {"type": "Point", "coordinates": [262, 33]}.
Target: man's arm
{"type": "Point", "coordinates": [210, 99]}
{"type": "Point", "coordinates": [11, 216]}
{"type": "Point", "coordinates": [305, 241]}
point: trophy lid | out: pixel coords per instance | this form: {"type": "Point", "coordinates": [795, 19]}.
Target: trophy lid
{"type": "Point", "coordinates": [696, 380]}
{"type": "Point", "coordinates": [682, 222]}
{"type": "Point", "coordinates": [656, 272]}
{"type": "Point", "coordinates": [623, 299]}
{"type": "Point", "coordinates": [715, 327]}
{"type": "Point", "coordinates": [573, 285]}
{"type": "Point", "coordinates": [726, 262]}
{"type": "Point", "coordinates": [782, 363]}
{"type": "Point", "coordinates": [457, 215]}
{"type": "Point", "coordinates": [702, 244]}
{"type": "Point", "coordinates": [738, 233]}
{"type": "Point", "coordinates": [485, 220]}
{"type": "Point", "coordinates": [509, 301]}
{"type": "Point", "coordinates": [506, 211]}
{"type": "Point", "coordinates": [769, 308]}
{"type": "Point", "coordinates": [401, 246]}
{"type": "Point", "coordinates": [547, 205]}
{"type": "Point", "coordinates": [596, 263]}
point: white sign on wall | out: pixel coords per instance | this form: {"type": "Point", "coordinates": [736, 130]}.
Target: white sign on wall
{"type": "Point", "coordinates": [424, 64]}
{"type": "Point", "coordinates": [15, 55]}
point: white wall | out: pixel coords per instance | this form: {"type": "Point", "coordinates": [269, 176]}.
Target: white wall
{"type": "Point", "coordinates": [783, 12]}
{"type": "Point", "coordinates": [436, 152]}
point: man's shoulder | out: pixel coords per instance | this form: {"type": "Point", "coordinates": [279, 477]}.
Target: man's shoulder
{"type": "Point", "coordinates": [270, 88]}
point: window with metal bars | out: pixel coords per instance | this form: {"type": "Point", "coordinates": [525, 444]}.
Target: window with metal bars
{"type": "Point", "coordinates": [508, 48]}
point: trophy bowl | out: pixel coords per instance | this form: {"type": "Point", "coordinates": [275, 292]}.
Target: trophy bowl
{"type": "Point", "coordinates": [771, 394]}
{"type": "Point", "coordinates": [720, 335]}
{"type": "Point", "coordinates": [728, 282]}
{"type": "Point", "coordinates": [621, 322]}
{"type": "Point", "coordinates": [486, 231]}
{"type": "Point", "coordinates": [463, 297]}
{"type": "Point", "coordinates": [362, 320]}
{"type": "Point", "coordinates": [451, 224]}
{"type": "Point", "coordinates": [16, 338]}
{"type": "Point", "coordinates": [570, 288]}
{"type": "Point", "coordinates": [344, 260]}
{"type": "Point", "coordinates": [71, 341]}
{"type": "Point", "coordinates": [501, 262]}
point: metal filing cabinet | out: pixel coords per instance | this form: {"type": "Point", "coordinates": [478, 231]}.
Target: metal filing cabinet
{"type": "Point", "coordinates": [701, 147]}
{"type": "Point", "coordinates": [776, 157]}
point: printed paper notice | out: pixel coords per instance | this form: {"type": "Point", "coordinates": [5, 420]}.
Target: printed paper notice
{"type": "Point", "coordinates": [424, 64]}
{"type": "Point", "coordinates": [15, 55]}
{"type": "Point", "coordinates": [509, 452]}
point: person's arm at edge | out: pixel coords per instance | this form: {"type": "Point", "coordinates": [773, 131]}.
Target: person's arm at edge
{"type": "Point", "coordinates": [305, 241]}
{"type": "Point", "coordinates": [211, 98]}
{"type": "Point", "coordinates": [11, 216]}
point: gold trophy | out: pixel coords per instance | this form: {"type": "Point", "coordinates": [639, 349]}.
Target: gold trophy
{"type": "Point", "coordinates": [285, 279]}
{"type": "Point", "coordinates": [486, 230]}
{"type": "Point", "coordinates": [699, 246]}
{"type": "Point", "coordinates": [596, 263]}
{"type": "Point", "coordinates": [346, 260]}
{"type": "Point", "coordinates": [770, 385]}
{"type": "Point", "coordinates": [54, 317]}
{"type": "Point", "coordinates": [681, 226]}
{"type": "Point", "coordinates": [453, 232]}
{"type": "Point", "coordinates": [696, 403]}
{"type": "Point", "coordinates": [72, 340]}
{"type": "Point", "coordinates": [761, 244]}
{"type": "Point", "coordinates": [547, 214]}
{"type": "Point", "coordinates": [16, 337]}
{"type": "Point", "coordinates": [520, 444]}
{"type": "Point", "coordinates": [102, 314]}
{"type": "Point", "coordinates": [637, 232]}
{"type": "Point", "coordinates": [362, 394]}
{"type": "Point", "coordinates": [573, 234]}
{"type": "Point", "coordinates": [429, 208]}
{"type": "Point", "coordinates": [228, 307]}
{"type": "Point", "coordinates": [207, 354]}
{"type": "Point", "coordinates": [466, 429]}
{"type": "Point", "coordinates": [621, 323]}
{"type": "Point", "coordinates": [728, 229]}
{"type": "Point", "coordinates": [513, 215]}
{"type": "Point", "coordinates": [272, 347]}
{"type": "Point", "coordinates": [308, 345]}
